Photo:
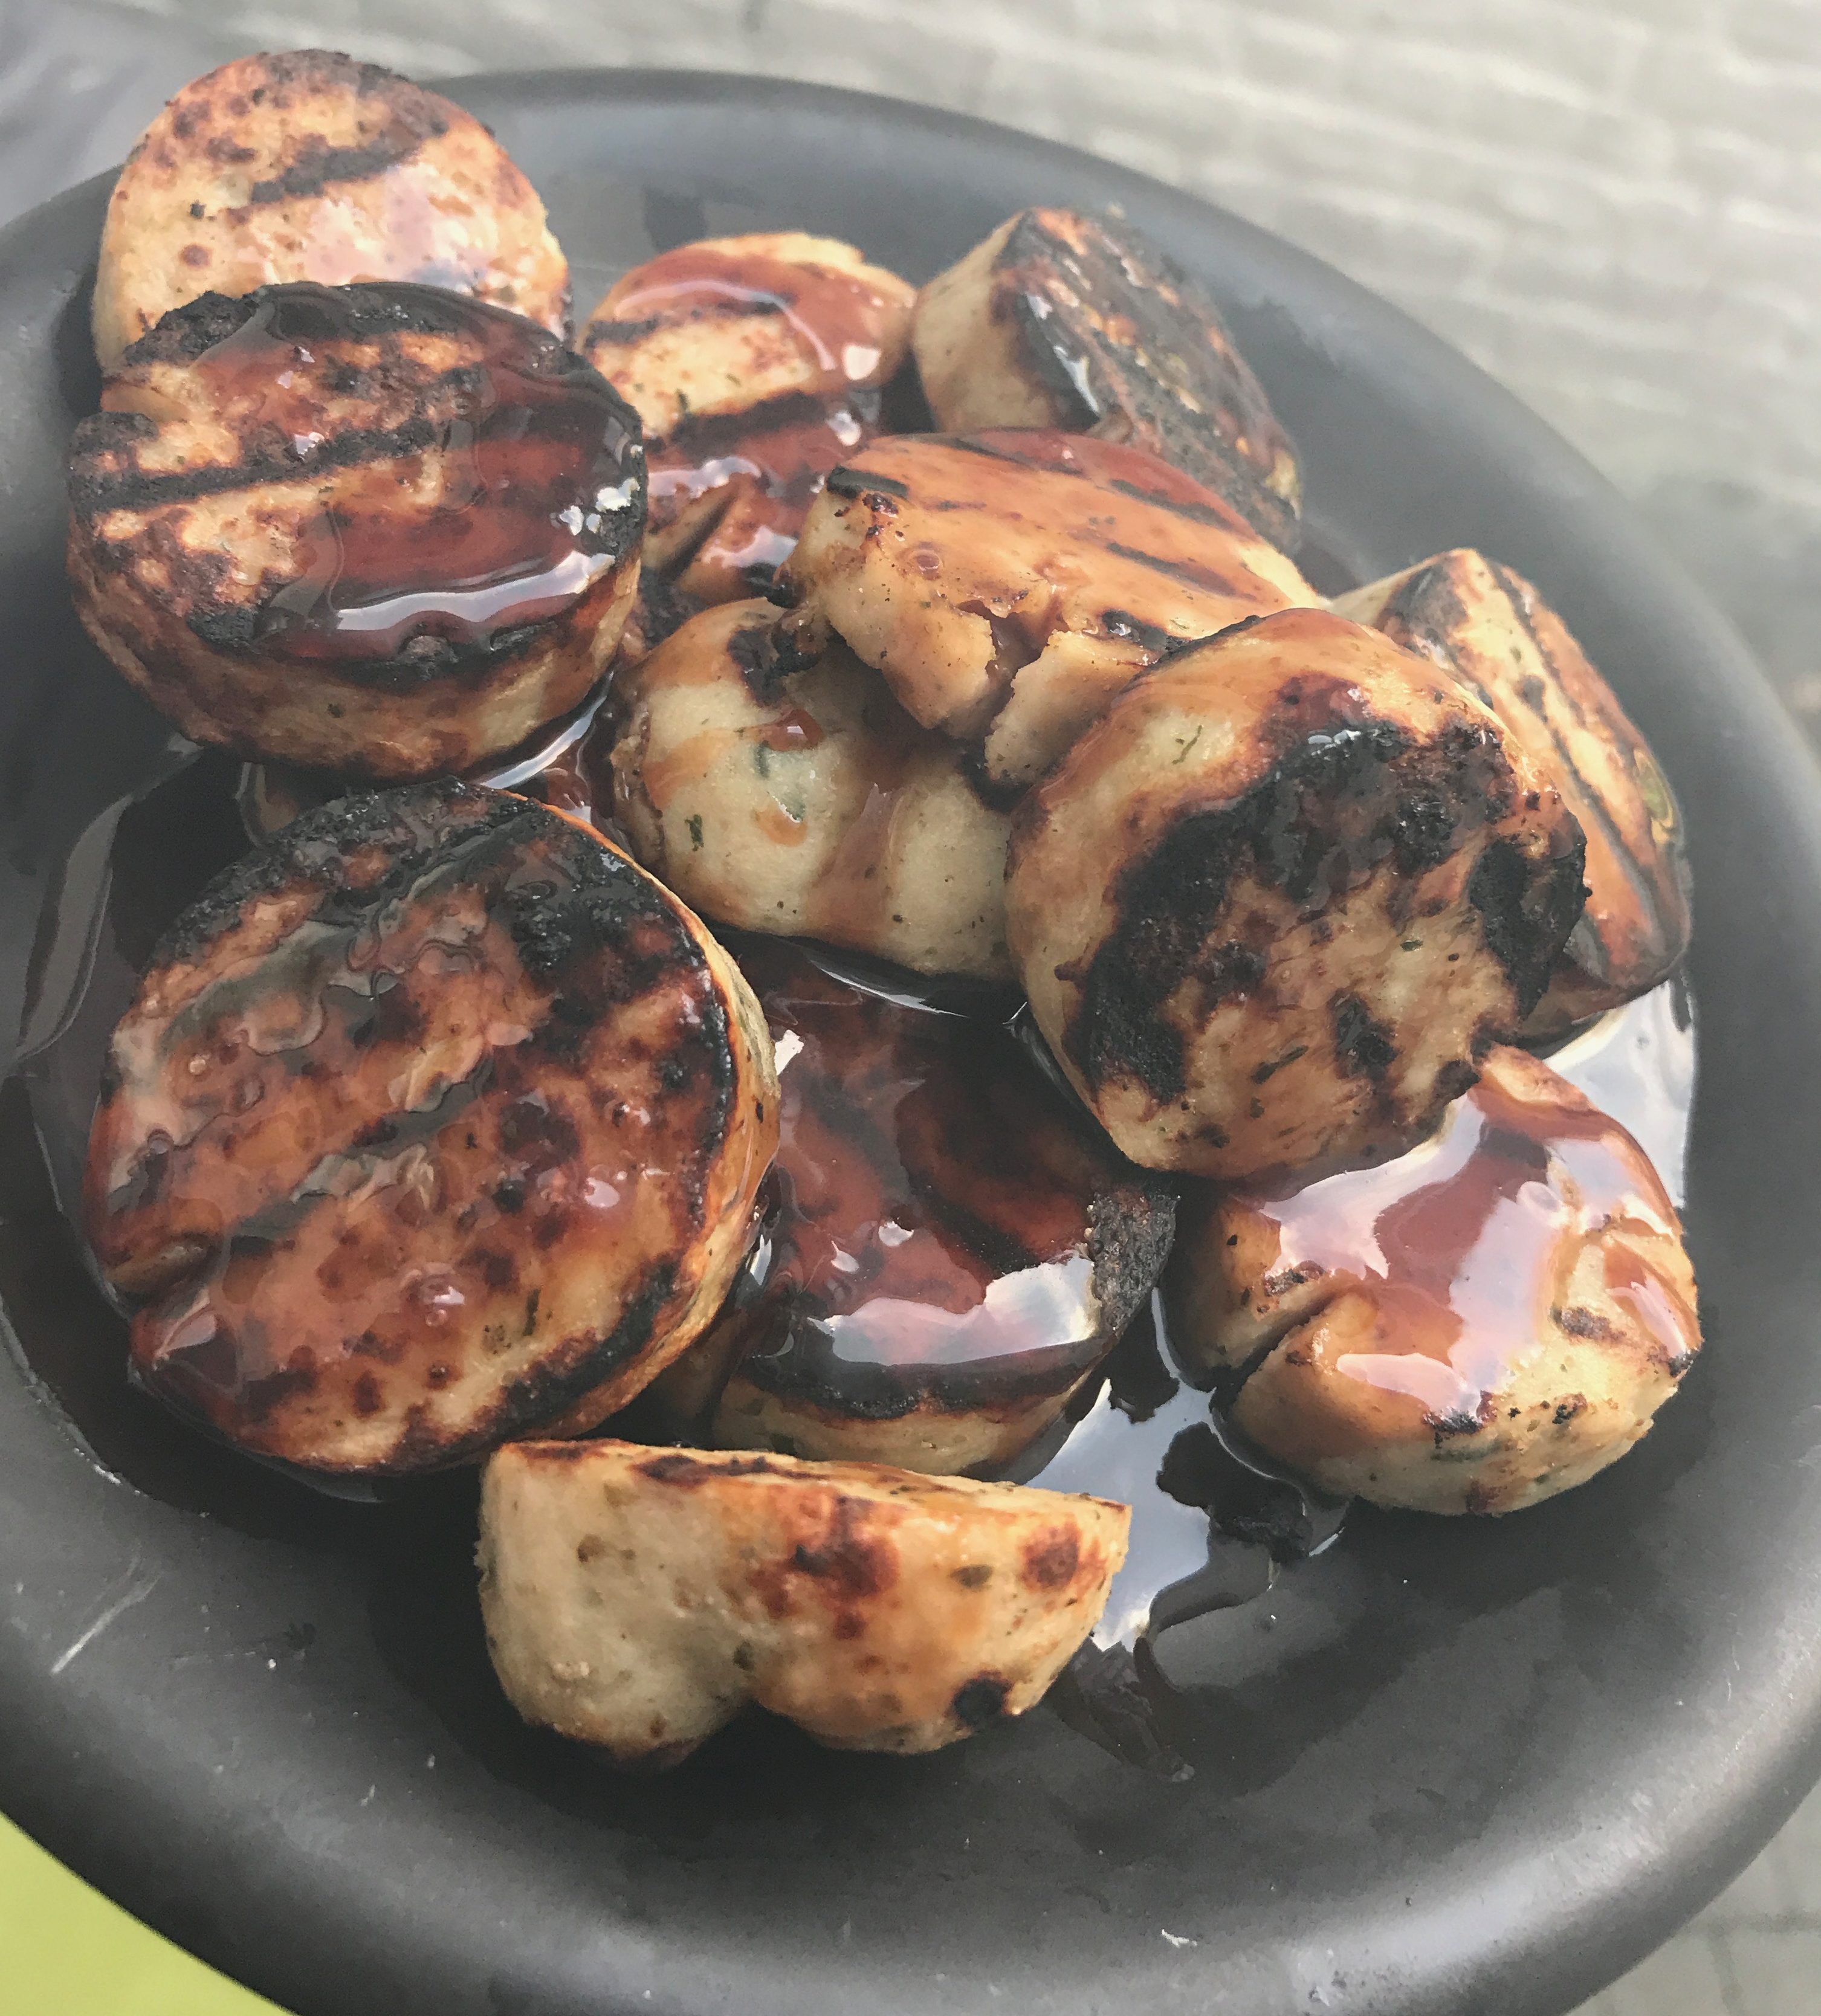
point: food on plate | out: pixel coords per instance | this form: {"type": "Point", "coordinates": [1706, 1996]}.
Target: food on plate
{"type": "Point", "coordinates": [951, 1251]}
{"type": "Point", "coordinates": [1277, 905]}
{"type": "Point", "coordinates": [435, 1120]}
{"type": "Point", "coordinates": [1006, 585]}
{"type": "Point", "coordinates": [1483, 1323]}
{"type": "Point", "coordinates": [1060, 320]}
{"type": "Point", "coordinates": [1488, 626]}
{"type": "Point", "coordinates": [755, 364]}
{"type": "Point", "coordinates": [638, 1598]}
{"type": "Point", "coordinates": [386, 530]}
{"type": "Point", "coordinates": [785, 791]}
{"type": "Point", "coordinates": [439, 1129]}
{"type": "Point", "coordinates": [309, 165]}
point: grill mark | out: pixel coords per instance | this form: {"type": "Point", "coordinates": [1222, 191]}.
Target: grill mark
{"type": "Point", "coordinates": [1184, 507]}
{"type": "Point", "coordinates": [1643, 886]}
{"type": "Point", "coordinates": [1192, 573]}
{"type": "Point", "coordinates": [317, 164]}
{"type": "Point", "coordinates": [91, 495]}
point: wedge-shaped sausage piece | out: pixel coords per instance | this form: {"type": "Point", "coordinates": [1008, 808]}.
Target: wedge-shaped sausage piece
{"type": "Point", "coordinates": [755, 364]}
{"type": "Point", "coordinates": [638, 1598]}
{"type": "Point", "coordinates": [788, 792]}
{"type": "Point", "coordinates": [309, 165]}
{"type": "Point", "coordinates": [1008, 585]}
{"type": "Point", "coordinates": [1059, 320]}
{"type": "Point", "coordinates": [1476, 1326]}
{"type": "Point", "coordinates": [1489, 627]}
{"type": "Point", "coordinates": [434, 1120]}
{"type": "Point", "coordinates": [384, 530]}
{"type": "Point", "coordinates": [1279, 903]}
{"type": "Point", "coordinates": [952, 1251]}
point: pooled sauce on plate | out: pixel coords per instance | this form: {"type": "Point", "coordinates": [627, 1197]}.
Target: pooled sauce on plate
{"type": "Point", "coordinates": [538, 485]}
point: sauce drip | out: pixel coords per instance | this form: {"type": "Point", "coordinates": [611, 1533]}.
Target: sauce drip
{"type": "Point", "coordinates": [770, 462]}
{"type": "Point", "coordinates": [1465, 1244]}
{"type": "Point", "coordinates": [516, 492]}
{"type": "Point", "coordinates": [933, 1194]}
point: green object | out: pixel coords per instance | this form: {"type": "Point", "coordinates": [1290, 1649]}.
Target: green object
{"type": "Point", "coordinates": [64, 1949]}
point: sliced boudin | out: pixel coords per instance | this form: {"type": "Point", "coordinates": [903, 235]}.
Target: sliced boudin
{"type": "Point", "coordinates": [1480, 1323]}
{"type": "Point", "coordinates": [755, 364]}
{"type": "Point", "coordinates": [951, 1249]}
{"type": "Point", "coordinates": [638, 1598]}
{"type": "Point", "coordinates": [1005, 585]}
{"type": "Point", "coordinates": [433, 1121]}
{"type": "Point", "coordinates": [309, 165]}
{"type": "Point", "coordinates": [1488, 626]}
{"type": "Point", "coordinates": [383, 530]}
{"type": "Point", "coordinates": [1060, 320]}
{"type": "Point", "coordinates": [1280, 901]}
{"type": "Point", "coordinates": [785, 790]}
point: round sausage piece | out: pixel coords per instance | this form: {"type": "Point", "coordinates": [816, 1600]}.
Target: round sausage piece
{"type": "Point", "coordinates": [309, 165]}
{"type": "Point", "coordinates": [1280, 901]}
{"type": "Point", "coordinates": [952, 1248]}
{"type": "Point", "coordinates": [383, 530]}
{"type": "Point", "coordinates": [435, 1120]}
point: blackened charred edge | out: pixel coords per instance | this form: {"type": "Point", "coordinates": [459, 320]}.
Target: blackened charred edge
{"type": "Point", "coordinates": [767, 658]}
{"type": "Point", "coordinates": [997, 795]}
{"type": "Point", "coordinates": [1130, 1232]}
{"type": "Point", "coordinates": [1363, 1047]}
{"type": "Point", "coordinates": [330, 70]}
{"type": "Point", "coordinates": [687, 1467]}
{"type": "Point", "coordinates": [1525, 915]}
{"type": "Point", "coordinates": [980, 1701]}
{"type": "Point", "coordinates": [316, 851]}
{"type": "Point", "coordinates": [1168, 903]}
{"type": "Point", "coordinates": [848, 479]}
{"type": "Point", "coordinates": [1108, 265]}
{"type": "Point", "coordinates": [1064, 376]}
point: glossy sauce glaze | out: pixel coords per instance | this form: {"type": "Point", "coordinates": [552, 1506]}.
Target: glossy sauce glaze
{"type": "Point", "coordinates": [770, 462]}
{"type": "Point", "coordinates": [835, 315]}
{"type": "Point", "coordinates": [539, 491]}
{"type": "Point", "coordinates": [1464, 1245]}
{"type": "Point", "coordinates": [943, 1232]}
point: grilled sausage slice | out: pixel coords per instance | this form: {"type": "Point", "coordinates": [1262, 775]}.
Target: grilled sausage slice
{"type": "Point", "coordinates": [433, 1121]}
{"type": "Point", "coordinates": [952, 1251]}
{"type": "Point", "coordinates": [1488, 627]}
{"type": "Point", "coordinates": [382, 529]}
{"type": "Point", "coordinates": [639, 1598]}
{"type": "Point", "coordinates": [1483, 1323]}
{"type": "Point", "coordinates": [1007, 585]}
{"type": "Point", "coordinates": [1280, 901]}
{"type": "Point", "coordinates": [1059, 320]}
{"type": "Point", "coordinates": [792, 794]}
{"type": "Point", "coordinates": [309, 165]}
{"type": "Point", "coordinates": [724, 326]}
{"type": "Point", "coordinates": [755, 364]}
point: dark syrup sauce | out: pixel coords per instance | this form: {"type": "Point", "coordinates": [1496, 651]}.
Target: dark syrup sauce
{"type": "Point", "coordinates": [742, 482]}
{"type": "Point", "coordinates": [932, 1214]}
{"type": "Point", "coordinates": [537, 488]}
